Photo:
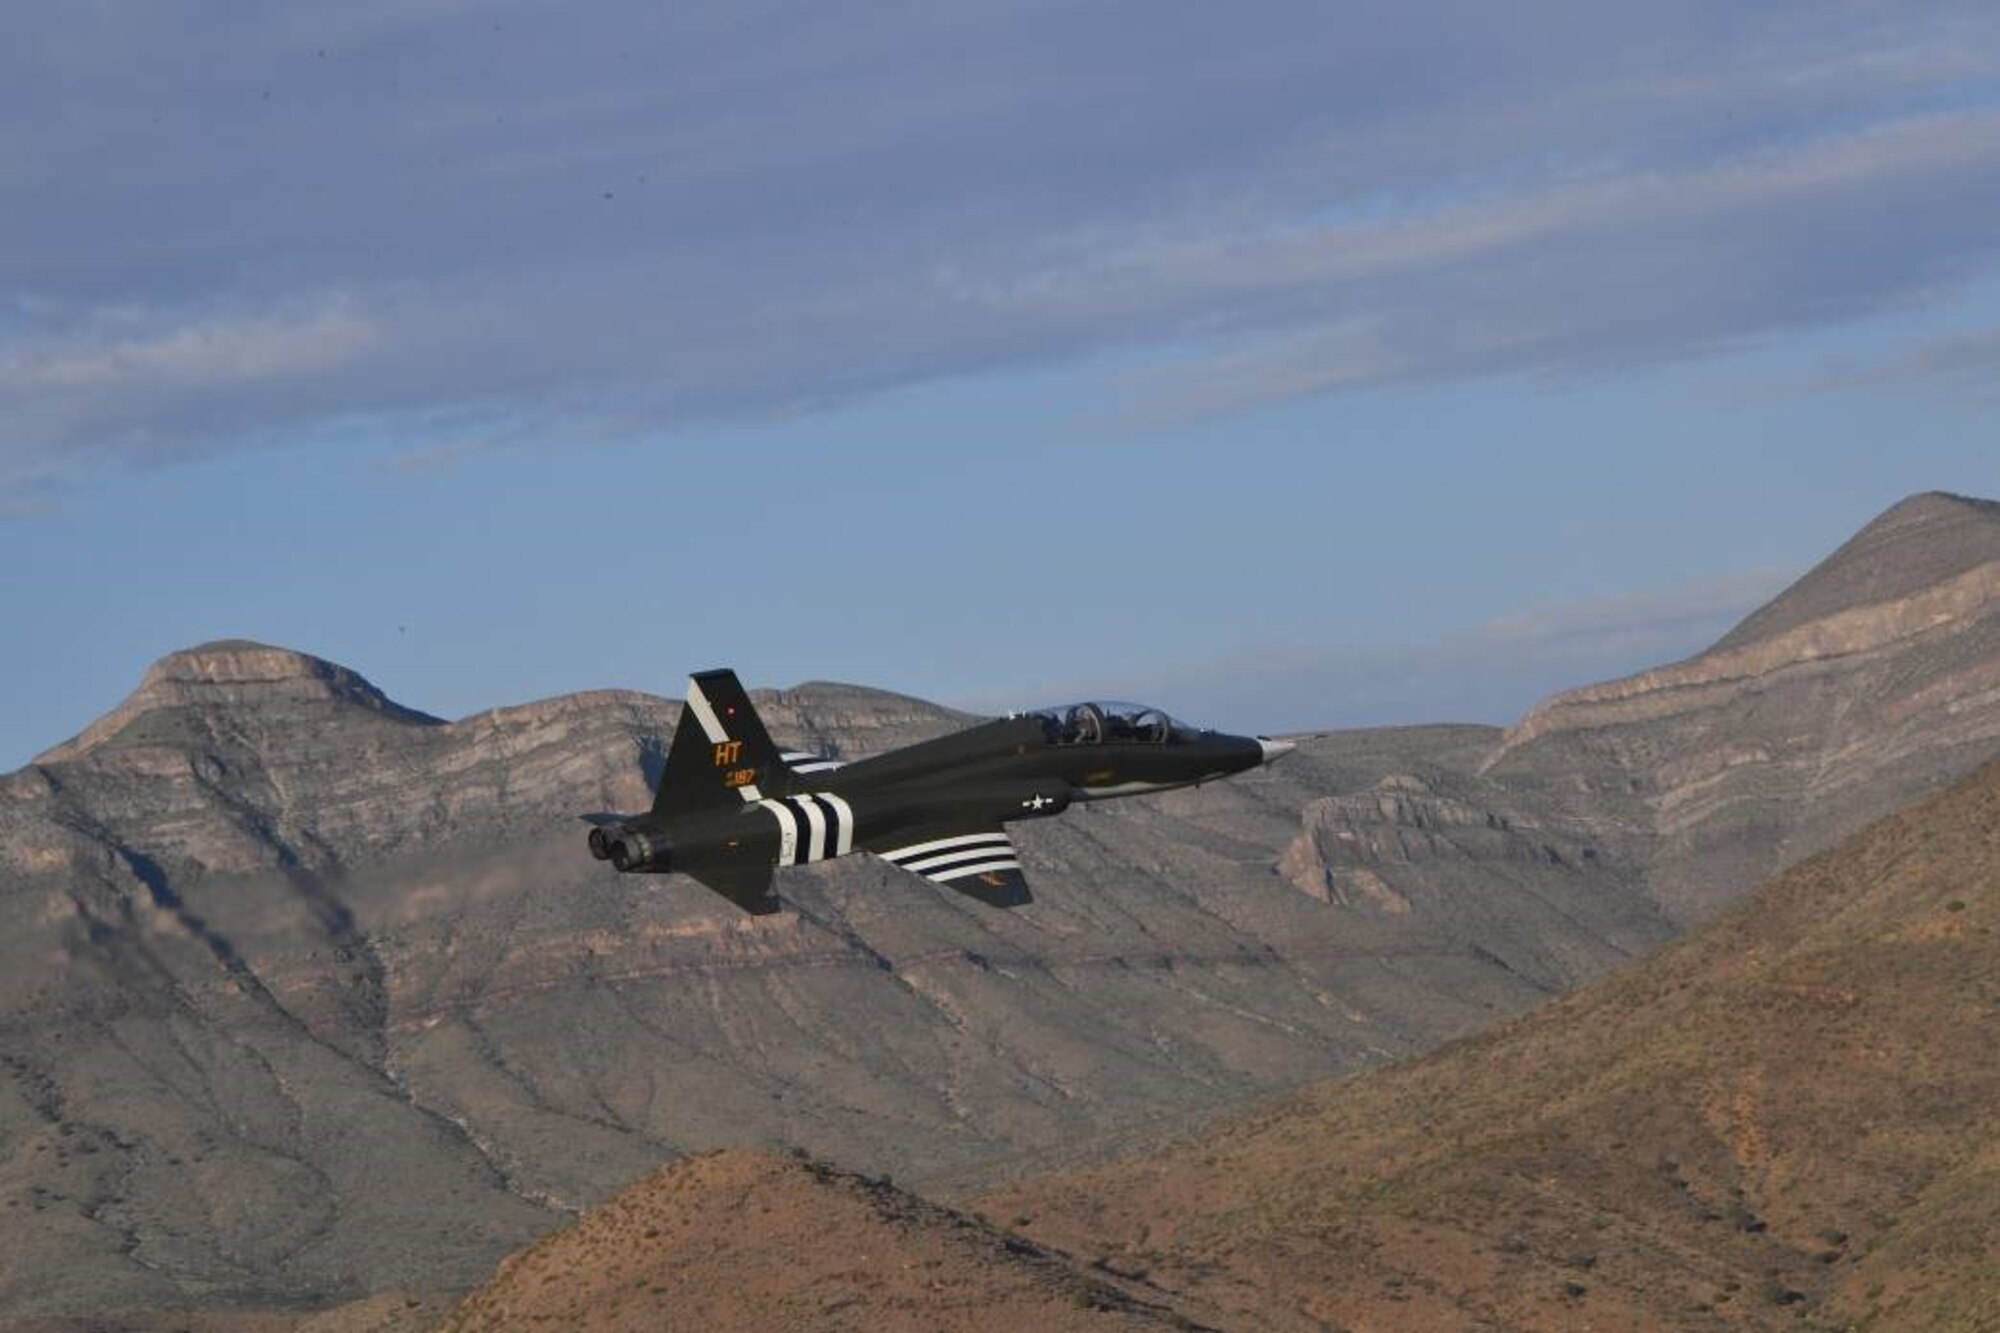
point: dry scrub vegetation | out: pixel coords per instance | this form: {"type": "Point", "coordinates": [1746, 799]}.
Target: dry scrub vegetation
{"type": "Point", "coordinates": [1785, 1121]}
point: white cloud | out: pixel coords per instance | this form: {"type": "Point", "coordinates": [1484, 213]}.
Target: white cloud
{"type": "Point", "coordinates": [137, 352]}
{"type": "Point", "coordinates": [705, 208]}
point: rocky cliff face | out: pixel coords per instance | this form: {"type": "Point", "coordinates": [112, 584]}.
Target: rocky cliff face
{"type": "Point", "coordinates": [239, 757]}
{"type": "Point", "coordinates": [223, 910]}
{"type": "Point", "coordinates": [1874, 679]}
{"type": "Point", "coordinates": [1477, 867]}
{"type": "Point", "coordinates": [304, 994]}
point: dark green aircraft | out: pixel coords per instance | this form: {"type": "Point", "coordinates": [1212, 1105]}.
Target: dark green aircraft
{"type": "Point", "coordinates": [731, 808]}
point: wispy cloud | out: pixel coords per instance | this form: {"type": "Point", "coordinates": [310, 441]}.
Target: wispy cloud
{"type": "Point", "coordinates": [1679, 612]}
{"type": "Point", "coordinates": [126, 351]}
{"type": "Point", "coordinates": [132, 383]}
{"type": "Point", "coordinates": [438, 456]}
{"type": "Point", "coordinates": [1964, 362]}
{"type": "Point", "coordinates": [223, 231]}
{"type": "Point", "coordinates": [1491, 674]}
{"type": "Point", "coordinates": [1617, 270]}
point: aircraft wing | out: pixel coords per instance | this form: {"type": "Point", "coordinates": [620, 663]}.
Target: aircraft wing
{"type": "Point", "coordinates": [980, 863]}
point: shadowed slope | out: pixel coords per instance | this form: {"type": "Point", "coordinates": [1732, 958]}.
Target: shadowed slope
{"type": "Point", "coordinates": [736, 1240]}
{"type": "Point", "coordinates": [1788, 1116]}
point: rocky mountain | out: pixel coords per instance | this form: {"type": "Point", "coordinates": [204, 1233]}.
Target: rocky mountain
{"type": "Point", "coordinates": [305, 995]}
{"type": "Point", "coordinates": [1872, 679]}
{"type": "Point", "coordinates": [1784, 1121]}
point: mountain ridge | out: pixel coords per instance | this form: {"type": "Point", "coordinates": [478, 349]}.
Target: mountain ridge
{"type": "Point", "coordinates": [220, 669]}
{"type": "Point", "coordinates": [1947, 535]}
{"type": "Point", "coordinates": [1791, 729]}
{"type": "Point", "coordinates": [261, 916]}
{"type": "Point", "coordinates": [736, 1240]}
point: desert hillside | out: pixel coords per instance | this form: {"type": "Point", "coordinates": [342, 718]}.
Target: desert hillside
{"type": "Point", "coordinates": [1786, 1120]}
{"type": "Point", "coordinates": [745, 1241]}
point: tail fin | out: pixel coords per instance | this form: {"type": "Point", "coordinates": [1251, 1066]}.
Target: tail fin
{"type": "Point", "coordinates": [721, 755]}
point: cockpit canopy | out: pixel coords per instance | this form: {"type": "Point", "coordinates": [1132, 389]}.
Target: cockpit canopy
{"type": "Point", "coordinates": [1104, 722]}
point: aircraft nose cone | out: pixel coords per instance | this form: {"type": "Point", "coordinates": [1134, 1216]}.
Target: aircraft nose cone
{"type": "Point", "coordinates": [1275, 750]}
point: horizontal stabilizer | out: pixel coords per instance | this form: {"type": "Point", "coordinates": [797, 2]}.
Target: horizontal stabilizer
{"type": "Point", "coordinates": [801, 762]}
{"type": "Point", "coordinates": [748, 886]}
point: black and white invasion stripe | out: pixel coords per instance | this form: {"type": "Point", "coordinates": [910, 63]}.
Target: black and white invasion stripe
{"type": "Point", "coordinates": [812, 827]}
{"type": "Point", "coordinates": [946, 859]}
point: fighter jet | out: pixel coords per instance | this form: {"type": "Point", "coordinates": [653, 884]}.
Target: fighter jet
{"type": "Point", "coordinates": [731, 808]}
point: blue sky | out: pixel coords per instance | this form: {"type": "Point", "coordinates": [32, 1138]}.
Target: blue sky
{"type": "Point", "coordinates": [1289, 364]}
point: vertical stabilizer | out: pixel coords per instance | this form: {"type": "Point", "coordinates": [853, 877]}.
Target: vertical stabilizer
{"type": "Point", "coordinates": [721, 755]}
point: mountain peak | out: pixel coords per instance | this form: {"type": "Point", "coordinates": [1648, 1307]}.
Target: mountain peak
{"type": "Point", "coordinates": [232, 673]}
{"type": "Point", "coordinates": [1916, 544]}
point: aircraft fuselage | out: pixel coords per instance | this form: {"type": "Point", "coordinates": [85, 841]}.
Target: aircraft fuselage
{"type": "Point", "coordinates": [937, 808]}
